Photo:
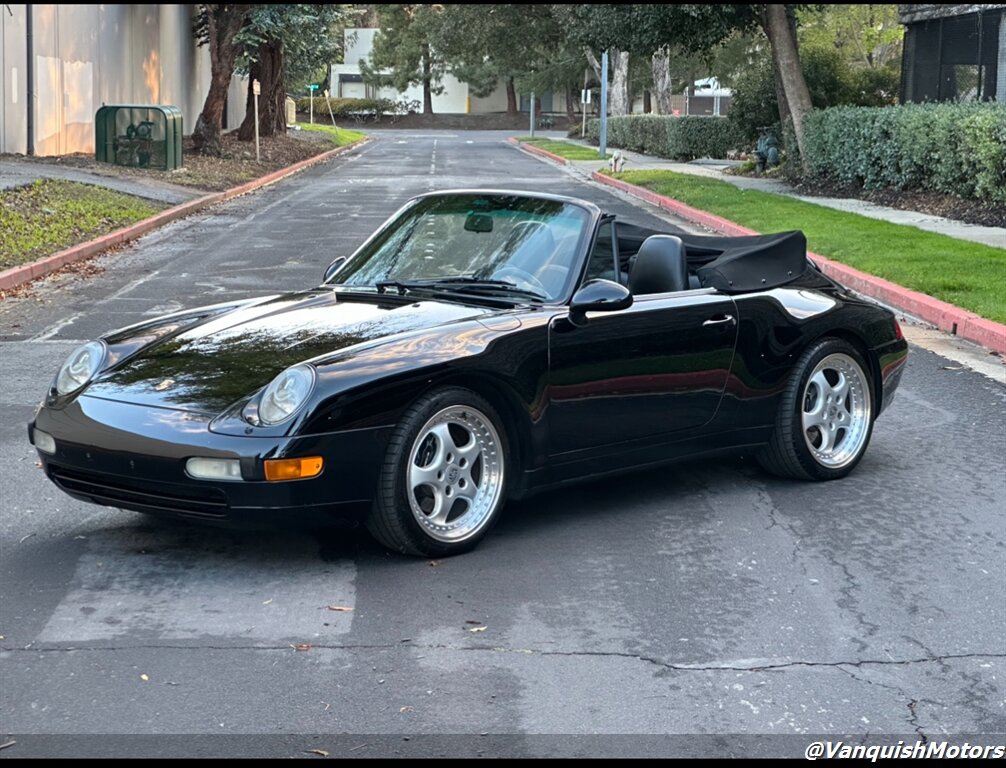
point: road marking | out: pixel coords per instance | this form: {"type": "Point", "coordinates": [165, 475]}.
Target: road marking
{"type": "Point", "coordinates": [185, 583]}
{"type": "Point", "coordinates": [54, 329]}
{"type": "Point", "coordinates": [433, 166]}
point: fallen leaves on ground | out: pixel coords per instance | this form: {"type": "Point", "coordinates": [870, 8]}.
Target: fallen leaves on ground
{"type": "Point", "coordinates": [321, 752]}
{"type": "Point", "coordinates": [302, 647]}
{"type": "Point", "coordinates": [340, 608]}
{"type": "Point", "coordinates": [478, 629]}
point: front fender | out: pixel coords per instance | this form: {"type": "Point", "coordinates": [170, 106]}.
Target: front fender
{"type": "Point", "coordinates": [373, 386]}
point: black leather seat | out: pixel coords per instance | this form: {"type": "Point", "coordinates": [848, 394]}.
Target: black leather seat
{"type": "Point", "coordinates": [661, 266]}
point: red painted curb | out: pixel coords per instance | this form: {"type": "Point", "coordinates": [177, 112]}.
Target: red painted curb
{"type": "Point", "coordinates": [947, 317]}
{"type": "Point", "coordinates": [15, 276]}
{"type": "Point", "coordinates": [531, 149]}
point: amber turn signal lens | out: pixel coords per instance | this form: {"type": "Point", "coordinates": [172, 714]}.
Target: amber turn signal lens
{"type": "Point", "coordinates": [293, 469]}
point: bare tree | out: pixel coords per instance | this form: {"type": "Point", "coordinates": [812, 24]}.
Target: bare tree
{"type": "Point", "coordinates": [786, 60]}
{"type": "Point", "coordinates": [661, 66]}
{"type": "Point", "coordinates": [217, 26]}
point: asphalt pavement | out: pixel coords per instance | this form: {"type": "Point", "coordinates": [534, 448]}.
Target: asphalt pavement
{"type": "Point", "coordinates": [697, 609]}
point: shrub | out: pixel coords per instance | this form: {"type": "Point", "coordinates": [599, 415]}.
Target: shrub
{"type": "Point", "coordinates": [677, 138]}
{"type": "Point", "coordinates": [958, 149]}
{"type": "Point", "coordinates": [353, 108]}
{"type": "Point", "coordinates": [830, 80]}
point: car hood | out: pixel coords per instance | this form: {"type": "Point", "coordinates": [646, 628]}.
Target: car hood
{"type": "Point", "coordinates": [227, 357]}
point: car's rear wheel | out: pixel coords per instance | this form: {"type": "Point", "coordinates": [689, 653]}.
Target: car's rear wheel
{"type": "Point", "coordinates": [826, 415]}
{"type": "Point", "coordinates": [442, 484]}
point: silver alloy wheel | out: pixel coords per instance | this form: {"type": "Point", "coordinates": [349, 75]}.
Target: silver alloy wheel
{"type": "Point", "coordinates": [836, 411]}
{"type": "Point", "coordinates": [455, 474]}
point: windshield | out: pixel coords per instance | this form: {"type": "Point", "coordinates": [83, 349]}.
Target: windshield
{"type": "Point", "coordinates": [471, 243]}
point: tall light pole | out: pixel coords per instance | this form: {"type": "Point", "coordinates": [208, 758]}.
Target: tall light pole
{"type": "Point", "coordinates": [604, 104]}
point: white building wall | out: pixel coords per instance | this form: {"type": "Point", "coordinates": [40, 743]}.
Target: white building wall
{"type": "Point", "coordinates": [89, 55]}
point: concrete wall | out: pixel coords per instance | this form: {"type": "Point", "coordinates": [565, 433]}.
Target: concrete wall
{"type": "Point", "coordinates": [89, 55]}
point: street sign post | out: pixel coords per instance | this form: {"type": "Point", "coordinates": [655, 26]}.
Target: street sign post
{"type": "Point", "coordinates": [257, 91]}
{"type": "Point", "coordinates": [532, 114]}
{"type": "Point", "coordinates": [604, 104]}
{"type": "Point", "coordinates": [310, 92]}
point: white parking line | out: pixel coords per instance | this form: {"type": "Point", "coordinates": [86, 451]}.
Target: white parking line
{"type": "Point", "coordinates": [184, 583]}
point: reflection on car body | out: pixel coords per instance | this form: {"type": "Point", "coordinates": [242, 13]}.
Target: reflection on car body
{"type": "Point", "coordinates": [479, 346]}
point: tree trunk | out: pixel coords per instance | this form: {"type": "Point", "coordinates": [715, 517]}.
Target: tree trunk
{"type": "Point", "coordinates": [223, 23]}
{"type": "Point", "coordinates": [662, 92]}
{"type": "Point", "coordinates": [620, 100]}
{"type": "Point", "coordinates": [268, 70]}
{"type": "Point", "coordinates": [570, 103]}
{"type": "Point", "coordinates": [786, 58]}
{"type": "Point", "coordinates": [511, 97]}
{"type": "Point", "coordinates": [427, 78]}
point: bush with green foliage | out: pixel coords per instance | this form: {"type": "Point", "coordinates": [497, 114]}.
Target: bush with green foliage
{"type": "Point", "coordinates": [354, 108]}
{"type": "Point", "coordinates": [677, 138]}
{"type": "Point", "coordinates": [958, 149]}
{"type": "Point", "coordinates": [830, 80]}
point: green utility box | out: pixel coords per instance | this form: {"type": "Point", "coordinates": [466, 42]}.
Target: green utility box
{"type": "Point", "coordinates": [139, 136]}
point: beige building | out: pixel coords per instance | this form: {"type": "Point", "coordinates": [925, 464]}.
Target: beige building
{"type": "Point", "coordinates": [80, 57]}
{"type": "Point", "coordinates": [347, 82]}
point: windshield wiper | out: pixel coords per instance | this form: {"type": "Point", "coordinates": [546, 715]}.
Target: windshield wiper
{"type": "Point", "coordinates": [465, 284]}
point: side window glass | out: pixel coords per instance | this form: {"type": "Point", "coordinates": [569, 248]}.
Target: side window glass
{"type": "Point", "coordinates": [602, 258]}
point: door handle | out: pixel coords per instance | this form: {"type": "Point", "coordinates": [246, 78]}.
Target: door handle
{"type": "Point", "coordinates": [718, 320]}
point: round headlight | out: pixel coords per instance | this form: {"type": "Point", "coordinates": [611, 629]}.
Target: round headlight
{"type": "Point", "coordinates": [80, 367]}
{"type": "Point", "coordinates": [286, 394]}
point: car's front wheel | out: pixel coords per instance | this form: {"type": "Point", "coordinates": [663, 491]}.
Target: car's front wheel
{"type": "Point", "coordinates": [442, 484]}
{"type": "Point", "coordinates": [825, 419]}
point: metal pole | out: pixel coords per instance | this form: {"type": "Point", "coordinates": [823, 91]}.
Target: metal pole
{"type": "Point", "coordinates": [583, 104]}
{"type": "Point", "coordinates": [258, 153]}
{"type": "Point", "coordinates": [29, 70]}
{"type": "Point", "coordinates": [604, 104]}
{"type": "Point", "coordinates": [532, 114]}
{"type": "Point", "coordinates": [310, 93]}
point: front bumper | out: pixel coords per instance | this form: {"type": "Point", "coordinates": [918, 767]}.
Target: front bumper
{"type": "Point", "coordinates": [133, 457]}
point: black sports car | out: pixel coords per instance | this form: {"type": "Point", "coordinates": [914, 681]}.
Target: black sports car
{"type": "Point", "coordinates": [480, 345]}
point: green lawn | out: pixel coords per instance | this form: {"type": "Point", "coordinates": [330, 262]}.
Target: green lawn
{"type": "Point", "coordinates": [340, 136]}
{"type": "Point", "coordinates": [968, 275]}
{"type": "Point", "coordinates": [48, 215]}
{"type": "Point", "coordinates": [564, 149]}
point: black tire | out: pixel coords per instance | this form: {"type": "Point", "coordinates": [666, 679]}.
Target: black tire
{"type": "Point", "coordinates": [788, 453]}
{"type": "Point", "coordinates": [392, 520]}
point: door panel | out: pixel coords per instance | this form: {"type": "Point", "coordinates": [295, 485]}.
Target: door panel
{"type": "Point", "coordinates": [654, 369]}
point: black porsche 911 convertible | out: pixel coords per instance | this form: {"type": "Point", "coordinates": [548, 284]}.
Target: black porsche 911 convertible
{"type": "Point", "coordinates": [480, 346]}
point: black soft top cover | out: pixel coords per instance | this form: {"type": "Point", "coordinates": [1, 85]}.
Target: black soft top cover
{"type": "Point", "coordinates": [731, 264]}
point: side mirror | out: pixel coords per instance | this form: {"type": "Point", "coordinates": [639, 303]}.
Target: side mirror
{"type": "Point", "coordinates": [598, 296]}
{"type": "Point", "coordinates": [333, 268]}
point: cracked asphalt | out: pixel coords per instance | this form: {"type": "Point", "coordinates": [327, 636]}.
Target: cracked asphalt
{"type": "Point", "coordinates": [705, 608]}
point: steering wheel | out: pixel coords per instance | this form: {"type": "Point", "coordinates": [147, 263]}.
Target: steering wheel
{"type": "Point", "coordinates": [521, 278]}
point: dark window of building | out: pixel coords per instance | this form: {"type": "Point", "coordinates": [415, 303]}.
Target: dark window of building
{"type": "Point", "coordinates": [953, 59]}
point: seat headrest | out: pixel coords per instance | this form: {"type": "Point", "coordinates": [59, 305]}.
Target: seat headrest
{"type": "Point", "coordinates": [661, 266]}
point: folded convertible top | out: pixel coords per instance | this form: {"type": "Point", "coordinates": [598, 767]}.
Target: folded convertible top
{"type": "Point", "coordinates": [734, 264]}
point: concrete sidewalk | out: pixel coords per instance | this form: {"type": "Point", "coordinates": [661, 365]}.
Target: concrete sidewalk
{"type": "Point", "coordinates": [634, 161]}
{"type": "Point", "coordinates": [17, 172]}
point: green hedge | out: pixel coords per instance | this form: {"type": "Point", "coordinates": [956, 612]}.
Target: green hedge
{"type": "Point", "coordinates": [952, 148]}
{"type": "Point", "coordinates": [678, 138]}
{"type": "Point", "coordinates": [347, 107]}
